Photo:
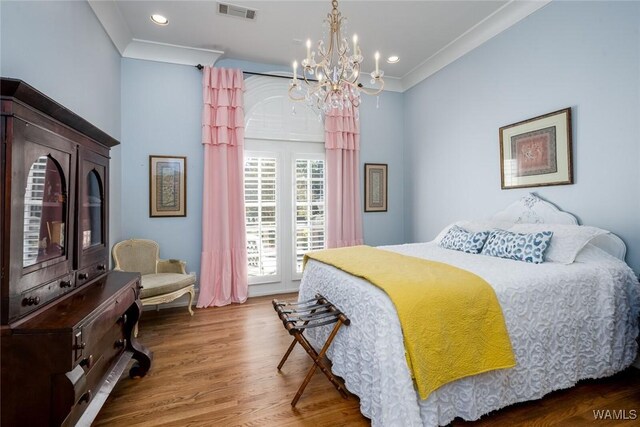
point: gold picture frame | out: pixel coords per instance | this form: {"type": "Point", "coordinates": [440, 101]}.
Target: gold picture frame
{"type": "Point", "coordinates": [375, 187]}
{"type": "Point", "coordinates": [537, 152]}
{"type": "Point", "coordinates": [167, 186]}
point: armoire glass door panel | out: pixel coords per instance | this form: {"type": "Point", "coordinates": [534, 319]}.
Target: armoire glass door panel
{"type": "Point", "coordinates": [45, 212]}
{"type": "Point", "coordinates": [92, 211]}
{"type": "Point", "coordinates": [93, 208]}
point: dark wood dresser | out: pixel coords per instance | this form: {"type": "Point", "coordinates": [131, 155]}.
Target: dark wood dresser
{"type": "Point", "coordinates": [66, 321]}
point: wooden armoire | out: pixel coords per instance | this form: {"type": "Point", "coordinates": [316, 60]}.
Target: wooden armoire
{"type": "Point", "coordinates": [66, 320]}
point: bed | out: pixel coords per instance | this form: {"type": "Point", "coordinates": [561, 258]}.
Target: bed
{"type": "Point", "coordinates": [566, 322]}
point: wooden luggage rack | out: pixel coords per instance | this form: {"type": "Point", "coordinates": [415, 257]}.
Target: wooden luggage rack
{"type": "Point", "coordinates": [296, 317]}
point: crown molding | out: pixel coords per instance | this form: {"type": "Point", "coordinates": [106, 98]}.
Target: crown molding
{"type": "Point", "coordinates": [113, 23]}
{"type": "Point", "coordinates": [171, 53]}
{"type": "Point", "coordinates": [115, 26]}
{"type": "Point", "coordinates": [503, 18]}
{"type": "Point", "coordinates": [511, 13]}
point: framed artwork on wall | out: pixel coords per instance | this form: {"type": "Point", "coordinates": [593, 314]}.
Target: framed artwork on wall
{"type": "Point", "coordinates": [167, 186]}
{"type": "Point", "coordinates": [375, 187]}
{"type": "Point", "coordinates": [537, 152]}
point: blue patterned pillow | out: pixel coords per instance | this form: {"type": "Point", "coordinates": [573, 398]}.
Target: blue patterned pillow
{"type": "Point", "coordinates": [517, 246]}
{"type": "Point", "coordinates": [459, 239]}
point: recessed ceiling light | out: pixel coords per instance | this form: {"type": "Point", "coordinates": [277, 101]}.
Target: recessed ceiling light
{"type": "Point", "coordinates": [393, 59]}
{"type": "Point", "coordinates": [159, 19]}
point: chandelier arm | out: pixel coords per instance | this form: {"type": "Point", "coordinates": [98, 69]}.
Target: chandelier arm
{"type": "Point", "coordinates": [368, 91]}
{"type": "Point", "coordinates": [293, 98]}
{"type": "Point", "coordinates": [315, 88]}
{"type": "Point", "coordinates": [326, 96]}
{"type": "Point", "coordinates": [326, 70]}
{"type": "Point", "coordinates": [313, 91]}
{"type": "Point", "coordinates": [373, 92]}
{"type": "Point", "coordinates": [304, 76]}
{"type": "Point", "coordinates": [343, 71]}
{"type": "Point", "coordinates": [356, 73]}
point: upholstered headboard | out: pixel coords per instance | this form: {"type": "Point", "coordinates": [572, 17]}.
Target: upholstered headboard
{"type": "Point", "coordinates": [531, 209]}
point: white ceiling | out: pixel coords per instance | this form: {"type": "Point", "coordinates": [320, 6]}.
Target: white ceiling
{"type": "Point", "coordinates": [426, 35]}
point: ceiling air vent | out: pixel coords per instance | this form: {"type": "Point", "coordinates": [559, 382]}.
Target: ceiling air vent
{"type": "Point", "coordinates": [237, 11]}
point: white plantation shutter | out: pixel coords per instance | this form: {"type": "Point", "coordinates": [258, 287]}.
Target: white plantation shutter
{"type": "Point", "coordinates": [309, 204]}
{"type": "Point", "coordinates": [260, 197]}
{"type": "Point", "coordinates": [284, 185]}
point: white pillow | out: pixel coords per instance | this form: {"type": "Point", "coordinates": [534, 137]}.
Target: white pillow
{"type": "Point", "coordinates": [474, 226]}
{"type": "Point", "coordinates": [592, 253]}
{"type": "Point", "coordinates": [487, 225]}
{"type": "Point", "coordinates": [567, 241]}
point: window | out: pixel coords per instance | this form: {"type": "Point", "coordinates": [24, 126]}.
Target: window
{"type": "Point", "coordinates": [309, 206]}
{"type": "Point", "coordinates": [285, 209]}
{"type": "Point", "coordinates": [260, 198]}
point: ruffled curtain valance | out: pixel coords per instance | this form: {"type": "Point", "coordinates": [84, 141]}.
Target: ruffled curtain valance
{"type": "Point", "coordinates": [342, 130]}
{"type": "Point", "coordinates": [223, 114]}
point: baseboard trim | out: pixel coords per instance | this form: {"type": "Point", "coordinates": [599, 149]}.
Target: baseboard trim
{"type": "Point", "coordinates": [184, 300]}
{"type": "Point", "coordinates": [279, 292]}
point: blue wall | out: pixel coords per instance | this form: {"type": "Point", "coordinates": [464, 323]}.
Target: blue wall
{"type": "Point", "coordinates": [61, 49]}
{"type": "Point", "coordinates": [584, 55]}
{"type": "Point", "coordinates": [381, 141]}
{"type": "Point", "coordinates": [161, 114]}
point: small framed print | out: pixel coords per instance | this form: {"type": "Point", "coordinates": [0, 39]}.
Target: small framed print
{"type": "Point", "coordinates": [167, 186]}
{"type": "Point", "coordinates": [375, 187]}
{"type": "Point", "coordinates": [537, 152]}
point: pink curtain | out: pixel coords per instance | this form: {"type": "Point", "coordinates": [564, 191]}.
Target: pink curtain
{"type": "Point", "coordinates": [223, 274]}
{"type": "Point", "coordinates": [342, 144]}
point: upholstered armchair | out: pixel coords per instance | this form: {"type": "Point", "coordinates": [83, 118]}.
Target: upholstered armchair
{"type": "Point", "coordinates": [163, 280]}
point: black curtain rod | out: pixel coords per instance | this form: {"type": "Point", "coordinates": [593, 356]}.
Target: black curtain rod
{"type": "Point", "coordinates": [200, 67]}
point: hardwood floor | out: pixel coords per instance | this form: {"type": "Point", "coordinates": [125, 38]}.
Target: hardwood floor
{"type": "Point", "coordinates": [218, 368]}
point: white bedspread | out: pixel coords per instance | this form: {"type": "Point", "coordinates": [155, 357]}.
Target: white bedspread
{"type": "Point", "coordinates": [566, 323]}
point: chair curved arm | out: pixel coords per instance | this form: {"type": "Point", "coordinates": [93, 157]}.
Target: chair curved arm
{"type": "Point", "coordinates": [171, 266]}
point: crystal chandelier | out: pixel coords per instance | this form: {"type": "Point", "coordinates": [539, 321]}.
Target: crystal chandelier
{"type": "Point", "coordinates": [336, 69]}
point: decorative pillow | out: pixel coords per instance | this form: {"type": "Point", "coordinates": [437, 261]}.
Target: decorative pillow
{"type": "Point", "coordinates": [445, 230]}
{"type": "Point", "coordinates": [474, 226]}
{"type": "Point", "coordinates": [459, 239]}
{"type": "Point", "coordinates": [568, 239]}
{"type": "Point", "coordinates": [516, 246]}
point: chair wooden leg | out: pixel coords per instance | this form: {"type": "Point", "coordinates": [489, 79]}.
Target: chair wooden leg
{"type": "Point", "coordinates": [192, 293]}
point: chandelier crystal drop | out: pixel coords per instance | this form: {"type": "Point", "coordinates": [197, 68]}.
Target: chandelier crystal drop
{"type": "Point", "coordinates": [331, 74]}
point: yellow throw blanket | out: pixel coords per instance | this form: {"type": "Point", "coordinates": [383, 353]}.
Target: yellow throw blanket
{"type": "Point", "coordinates": [451, 320]}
